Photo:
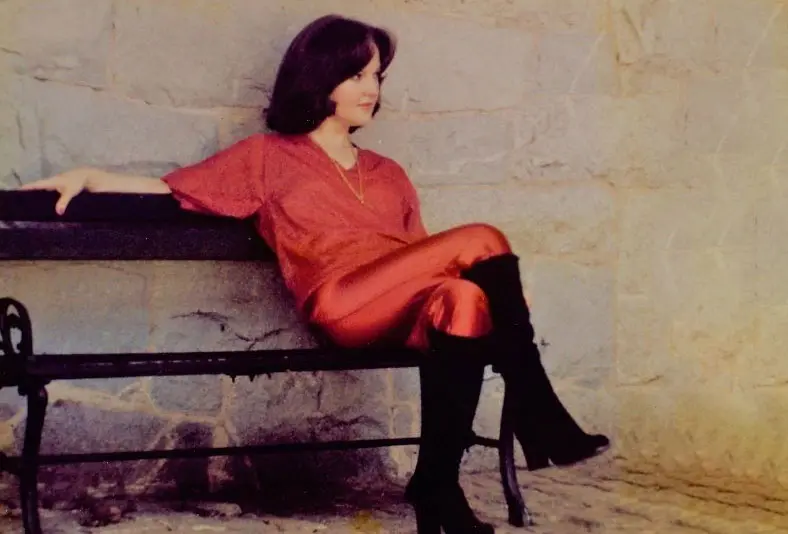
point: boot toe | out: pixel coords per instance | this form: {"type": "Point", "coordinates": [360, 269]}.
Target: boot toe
{"type": "Point", "coordinates": [599, 442]}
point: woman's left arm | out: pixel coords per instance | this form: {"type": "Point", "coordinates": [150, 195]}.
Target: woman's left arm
{"type": "Point", "coordinates": [230, 183]}
{"type": "Point", "coordinates": [414, 225]}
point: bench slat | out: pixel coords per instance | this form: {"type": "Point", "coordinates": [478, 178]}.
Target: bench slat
{"type": "Point", "coordinates": [77, 366]}
{"type": "Point", "coordinates": [115, 226]}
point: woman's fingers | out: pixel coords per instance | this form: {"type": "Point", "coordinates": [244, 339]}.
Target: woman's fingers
{"type": "Point", "coordinates": [65, 197]}
{"type": "Point", "coordinates": [68, 185]}
{"type": "Point", "coordinates": [46, 184]}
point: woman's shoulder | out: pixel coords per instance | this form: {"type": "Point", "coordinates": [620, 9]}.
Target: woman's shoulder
{"type": "Point", "coordinates": [379, 162]}
{"type": "Point", "coordinates": [266, 139]}
{"type": "Point", "coordinates": [273, 143]}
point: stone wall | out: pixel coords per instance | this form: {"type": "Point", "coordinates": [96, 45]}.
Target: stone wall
{"type": "Point", "coordinates": [633, 150]}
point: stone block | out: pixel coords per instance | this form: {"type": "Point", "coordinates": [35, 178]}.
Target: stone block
{"type": "Point", "coordinates": [579, 137]}
{"type": "Point", "coordinates": [236, 124]}
{"type": "Point", "coordinates": [547, 16]}
{"type": "Point", "coordinates": [761, 413]}
{"type": "Point", "coordinates": [645, 426]}
{"type": "Point", "coordinates": [654, 128]}
{"type": "Point", "coordinates": [636, 275]}
{"type": "Point", "coordinates": [713, 105]}
{"type": "Point", "coordinates": [758, 130]}
{"type": "Point", "coordinates": [205, 53]}
{"type": "Point", "coordinates": [349, 395]}
{"type": "Point", "coordinates": [711, 299]}
{"type": "Point", "coordinates": [76, 428]}
{"type": "Point", "coordinates": [11, 403]}
{"type": "Point", "coordinates": [767, 366]}
{"type": "Point", "coordinates": [450, 64]}
{"type": "Point", "coordinates": [308, 406]}
{"type": "Point", "coordinates": [744, 191]}
{"type": "Point", "coordinates": [82, 127]}
{"type": "Point", "coordinates": [279, 408]}
{"type": "Point", "coordinates": [389, 135]}
{"type": "Point", "coordinates": [652, 75]}
{"type": "Point", "coordinates": [683, 220]}
{"type": "Point", "coordinates": [533, 15]}
{"type": "Point", "coordinates": [188, 476]}
{"type": "Point", "coordinates": [407, 387]}
{"type": "Point", "coordinates": [744, 33]}
{"type": "Point", "coordinates": [288, 408]}
{"type": "Point", "coordinates": [77, 307]}
{"type": "Point", "coordinates": [114, 386]}
{"type": "Point", "coordinates": [707, 284]}
{"type": "Point", "coordinates": [771, 249]}
{"type": "Point", "coordinates": [643, 353]}
{"type": "Point", "coordinates": [244, 307]}
{"type": "Point", "coordinates": [67, 41]}
{"type": "Point", "coordinates": [646, 226]}
{"type": "Point", "coordinates": [467, 149]}
{"type": "Point", "coordinates": [705, 431]}
{"type": "Point", "coordinates": [573, 315]}
{"type": "Point", "coordinates": [626, 30]}
{"type": "Point", "coordinates": [569, 138]}
{"type": "Point", "coordinates": [187, 394]}
{"type": "Point", "coordinates": [20, 140]}
{"type": "Point", "coordinates": [699, 218]}
{"type": "Point", "coordinates": [571, 62]}
{"type": "Point", "coordinates": [655, 221]}
{"type": "Point", "coordinates": [404, 421]}
{"type": "Point", "coordinates": [683, 170]}
{"type": "Point", "coordinates": [680, 31]}
{"type": "Point", "coordinates": [743, 176]}
{"type": "Point", "coordinates": [574, 219]}
{"type": "Point", "coordinates": [774, 36]}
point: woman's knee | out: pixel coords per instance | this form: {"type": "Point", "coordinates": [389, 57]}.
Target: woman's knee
{"type": "Point", "coordinates": [459, 307]}
{"type": "Point", "coordinates": [487, 237]}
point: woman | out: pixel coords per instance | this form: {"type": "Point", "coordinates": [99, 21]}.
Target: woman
{"type": "Point", "coordinates": [345, 225]}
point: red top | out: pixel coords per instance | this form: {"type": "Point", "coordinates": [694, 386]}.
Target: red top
{"type": "Point", "coordinates": [303, 210]}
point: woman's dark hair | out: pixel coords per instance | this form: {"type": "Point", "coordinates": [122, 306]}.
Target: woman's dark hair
{"type": "Point", "coordinates": [324, 54]}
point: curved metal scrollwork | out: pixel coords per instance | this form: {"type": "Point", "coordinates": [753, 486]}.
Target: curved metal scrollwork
{"type": "Point", "coordinates": [16, 341]}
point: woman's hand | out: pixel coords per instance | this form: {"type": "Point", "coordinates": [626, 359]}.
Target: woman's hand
{"type": "Point", "coordinates": [69, 184]}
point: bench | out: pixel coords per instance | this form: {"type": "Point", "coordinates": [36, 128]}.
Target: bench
{"type": "Point", "coordinates": [112, 226]}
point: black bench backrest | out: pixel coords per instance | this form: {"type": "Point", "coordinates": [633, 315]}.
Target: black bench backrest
{"type": "Point", "coordinates": [119, 226]}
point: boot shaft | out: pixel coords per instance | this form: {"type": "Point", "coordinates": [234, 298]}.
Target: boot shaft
{"type": "Point", "coordinates": [451, 378]}
{"type": "Point", "coordinates": [499, 279]}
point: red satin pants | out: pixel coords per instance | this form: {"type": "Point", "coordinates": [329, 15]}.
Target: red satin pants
{"type": "Point", "coordinates": [399, 296]}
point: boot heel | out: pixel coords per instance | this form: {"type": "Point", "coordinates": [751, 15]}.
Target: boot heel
{"type": "Point", "coordinates": [535, 458]}
{"type": "Point", "coordinates": [427, 522]}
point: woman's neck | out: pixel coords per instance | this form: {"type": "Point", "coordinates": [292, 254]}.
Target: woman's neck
{"type": "Point", "coordinates": [332, 135]}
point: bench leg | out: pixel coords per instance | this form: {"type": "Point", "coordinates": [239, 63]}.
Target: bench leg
{"type": "Point", "coordinates": [37, 399]}
{"type": "Point", "coordinates": [519, 515]}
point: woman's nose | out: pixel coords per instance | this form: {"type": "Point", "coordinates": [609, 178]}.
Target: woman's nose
{"type": "Point", "coordinates": [372, 88]}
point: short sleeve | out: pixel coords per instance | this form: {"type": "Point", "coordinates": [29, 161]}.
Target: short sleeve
{"type": "Point", "coordinates": [412, 206]}
{"type": "Point", "coordinates": [413, 222]}
{"type": "Point", "coordinates": [230, 183]}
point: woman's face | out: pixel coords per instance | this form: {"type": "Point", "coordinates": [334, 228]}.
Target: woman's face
{"type": "Point", "coordinates": [356, 97]}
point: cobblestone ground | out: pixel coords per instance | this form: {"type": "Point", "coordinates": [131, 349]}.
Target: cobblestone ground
{"type": "Point", "coordinates": [600, 498]}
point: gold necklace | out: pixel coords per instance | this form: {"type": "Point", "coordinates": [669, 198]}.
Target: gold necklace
{"type": "Point", "coordinates": [360, 194]}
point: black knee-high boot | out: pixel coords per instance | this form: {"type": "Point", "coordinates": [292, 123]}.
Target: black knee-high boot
{"type": "Point", "coordinates": [451, 382]}
{"type": "Point", "coordinates": [545, 429]}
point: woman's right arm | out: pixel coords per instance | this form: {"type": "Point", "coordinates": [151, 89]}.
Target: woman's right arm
{"type": "Point", "coordinates": [228, 183]}
{"type": "Point", "coordinates": [69, 184]}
